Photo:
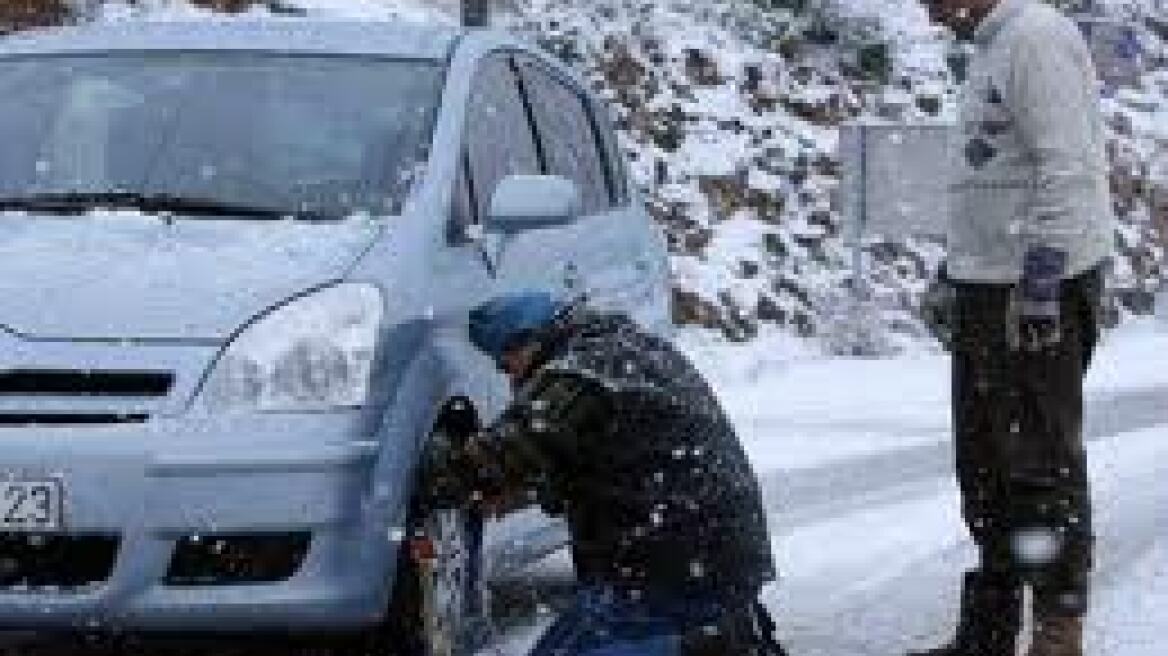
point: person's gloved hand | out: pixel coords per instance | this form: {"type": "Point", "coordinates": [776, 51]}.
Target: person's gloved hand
{"type": "Point", "coordinates": [477, 466]}
{"type": "Point", "coordinates": [939, 308]}
{"type": "Point", "coordinates": [455, 470]}
{"type": "Point", "coordinates": [1038, 324]}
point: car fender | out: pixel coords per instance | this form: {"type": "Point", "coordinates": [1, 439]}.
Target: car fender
{"type": "Point", "coordinates": [437, 374]}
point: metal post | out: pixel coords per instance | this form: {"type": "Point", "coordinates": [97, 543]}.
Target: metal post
{"type": "Point", "coordinates": [860, 296]}
{"type": "Point", "coordinates": [858, 277]}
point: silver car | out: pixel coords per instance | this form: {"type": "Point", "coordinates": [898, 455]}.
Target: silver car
{"type": "Point", "coordinates": [236, 263]}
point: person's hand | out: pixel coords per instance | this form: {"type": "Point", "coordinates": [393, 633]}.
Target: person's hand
{"type": "Point", "coordinates": [1038, 310]}
{"type": "Point", "coordinates": [457, 472]}
{"type": "Point", "coordinates": [939, 308]}
{"type": "Point", "coordinates": [484, 480]}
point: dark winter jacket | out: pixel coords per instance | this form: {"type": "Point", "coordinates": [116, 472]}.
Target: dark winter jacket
{"type": "Point", "coordinates": [618, 432]}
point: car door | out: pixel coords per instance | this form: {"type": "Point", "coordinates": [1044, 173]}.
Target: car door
{"type": "Point", "coordinates": [500, 141]}
{"type": "Point", "coordinates": [611, 252]}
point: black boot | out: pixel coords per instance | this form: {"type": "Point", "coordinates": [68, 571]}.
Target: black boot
{"type": "Point", "coordinates": [991, 617]}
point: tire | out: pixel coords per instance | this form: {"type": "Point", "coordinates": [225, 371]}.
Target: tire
{"type": "Point", "coordinates": [438, 606]}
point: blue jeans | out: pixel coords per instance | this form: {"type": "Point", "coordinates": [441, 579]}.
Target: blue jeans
{"type": "Point", "coordinates": [603, 622]}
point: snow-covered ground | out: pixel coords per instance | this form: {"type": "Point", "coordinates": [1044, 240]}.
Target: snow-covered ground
{"type": "Point", "coordinates": [872, 558]}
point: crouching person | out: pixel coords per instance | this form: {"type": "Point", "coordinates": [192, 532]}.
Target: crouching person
{"type": "Point", "coordinates": [614, 429]}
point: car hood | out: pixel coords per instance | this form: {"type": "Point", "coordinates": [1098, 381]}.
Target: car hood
{"type": "Point", "coordinates": [114, 276]}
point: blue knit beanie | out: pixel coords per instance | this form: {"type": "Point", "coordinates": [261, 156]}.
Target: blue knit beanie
{"type": "Point", "coordinates": [507, 321]}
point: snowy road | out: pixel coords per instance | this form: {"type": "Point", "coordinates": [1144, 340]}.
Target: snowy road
{"type": "Point", "coordinates": [879, 574]}
{"type": "Point", "coordinates": [883, 578]}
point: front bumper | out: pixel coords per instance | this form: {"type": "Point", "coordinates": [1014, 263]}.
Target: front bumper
{"type": "Point", "coordinates": [151, 485]}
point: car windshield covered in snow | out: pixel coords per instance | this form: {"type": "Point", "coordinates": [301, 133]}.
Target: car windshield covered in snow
{"type": "Point", "coordinates": [232, 134]}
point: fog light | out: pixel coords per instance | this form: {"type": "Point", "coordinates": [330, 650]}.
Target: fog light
{"type": "Point", "coordinates": [237, 559]}
{"type": "Point", "coordinates": [55, 561]}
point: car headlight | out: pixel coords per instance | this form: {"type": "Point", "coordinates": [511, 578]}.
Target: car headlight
{"type": "Point", "coordinates": [315, 353]}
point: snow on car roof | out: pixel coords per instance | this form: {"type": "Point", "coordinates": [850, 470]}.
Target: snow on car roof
{"type": "Point", "coordinates": [293, 36]}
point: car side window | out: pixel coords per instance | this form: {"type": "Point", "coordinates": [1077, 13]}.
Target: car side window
{"type": "Point", "coordinates": [568, 137]}
{"type": "Point", "coordinates": [500, 141]}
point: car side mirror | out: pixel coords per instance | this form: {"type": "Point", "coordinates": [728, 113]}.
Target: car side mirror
{"type": "Point", "coordinates": [532, 202]}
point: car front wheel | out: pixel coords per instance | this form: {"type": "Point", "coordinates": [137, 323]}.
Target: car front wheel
{"type": "Point", "coordinates": [439, 600]}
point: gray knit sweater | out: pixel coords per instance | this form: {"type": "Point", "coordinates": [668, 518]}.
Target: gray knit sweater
{"type": "Point", "coordinates": [1031, 167]}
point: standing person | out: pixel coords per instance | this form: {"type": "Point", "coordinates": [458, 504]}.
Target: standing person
{"type": "Point", "coordinates": [614, 429]}
{"type": "Point", "coordinates": [1027, 247]}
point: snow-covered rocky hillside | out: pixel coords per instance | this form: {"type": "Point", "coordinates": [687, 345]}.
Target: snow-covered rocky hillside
{"type": "Point", "coordinates": [728, 110]}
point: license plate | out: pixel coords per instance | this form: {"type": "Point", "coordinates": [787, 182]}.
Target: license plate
{"type": "Point", "coordinates": [30, 505]}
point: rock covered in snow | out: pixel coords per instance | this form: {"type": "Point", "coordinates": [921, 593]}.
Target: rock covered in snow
{"type": "Point", "coordinates": [23, 14]}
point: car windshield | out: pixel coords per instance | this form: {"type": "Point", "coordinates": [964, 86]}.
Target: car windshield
{"type": "Point", "coordinates": [320, 136]}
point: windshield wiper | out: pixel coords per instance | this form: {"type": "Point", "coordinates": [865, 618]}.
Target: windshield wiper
{"type": "Point", "coordinates": [83, 201]}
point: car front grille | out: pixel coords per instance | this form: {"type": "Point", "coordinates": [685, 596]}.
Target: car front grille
{"type": "Point", "coordinates": [48, 382]}
{"type": "Point", "coordinates": [65, 397]}
{"type": "Point", "coordinates": [30, 420]}
{"type": "Point", "coordinates": [34, 562]}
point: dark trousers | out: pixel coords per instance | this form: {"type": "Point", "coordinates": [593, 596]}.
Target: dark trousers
{"type": "Point", "coordinates": [606, 621]}
{"type": "Point", "coordinates": [1021, 464]}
